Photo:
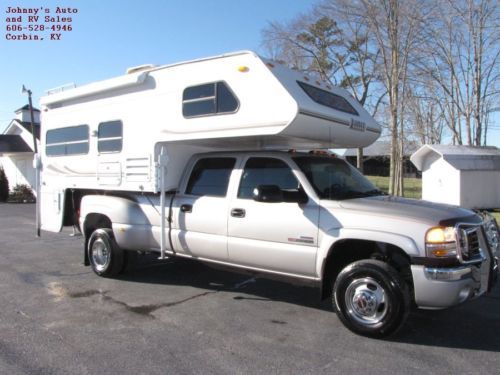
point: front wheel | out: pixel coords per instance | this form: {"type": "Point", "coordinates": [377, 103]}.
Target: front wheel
{"type": "Point", "coordinates": [104, 254]}
{"type": "Point", "coordinates": [371, 298]}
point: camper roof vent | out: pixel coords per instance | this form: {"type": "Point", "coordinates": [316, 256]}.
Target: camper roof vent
{"type": "Point", "coordinates": [140, 68]}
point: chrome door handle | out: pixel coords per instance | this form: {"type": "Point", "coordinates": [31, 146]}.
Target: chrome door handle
{"type": "Point", "coordinates": [238, 212]}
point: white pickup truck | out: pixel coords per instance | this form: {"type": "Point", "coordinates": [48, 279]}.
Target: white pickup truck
{"type": "Point", "coordinates": [305, 216]}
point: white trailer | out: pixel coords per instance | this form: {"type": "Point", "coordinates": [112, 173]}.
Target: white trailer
{"type": "Point", "coordinates": [108, 136]}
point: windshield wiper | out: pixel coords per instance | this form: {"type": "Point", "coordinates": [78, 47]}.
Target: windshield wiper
{"type": "Point", "coordinates": [374, 192]}
{"type": "Point", "coordinates": [350, 194]}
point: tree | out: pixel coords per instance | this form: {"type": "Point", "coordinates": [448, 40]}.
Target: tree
{"type": "Point", "coordinates": [424, 113]}
{"type": "Point", "coordinates": [4, 186]}
{"type": "Point", "coordinates": [330, 46]}
{"type": "Point", "coordinates": [462, 57]}
{"type": "Point", "coordinates": [395, 29]}
{"type": "Point", "coordinates": [435, 62]}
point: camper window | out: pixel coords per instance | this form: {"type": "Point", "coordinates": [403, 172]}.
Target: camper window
{"type": "Point", "coordinates": [210, 177]}
{"type": "Point", "coordinates": [110, 136]}
{"type": "Point", "coordinates": [328, 99]}
{"type": "Point", "coordinates": [72, 140]}
{"type": "Point", "coordinates": [208, 99]}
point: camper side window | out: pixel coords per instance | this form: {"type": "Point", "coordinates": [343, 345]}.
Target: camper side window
{"type": "Point", "coordinates": [210, 177]}
{"type": "Point", "coordinates": [208, 99]}
{"type": "Point", "coordinates": [109, 136]}
{"type": "Point", "coordinates": [72, 140]}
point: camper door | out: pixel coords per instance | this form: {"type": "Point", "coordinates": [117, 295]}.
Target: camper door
{"type": "Point", "coordinates": [51, 208]}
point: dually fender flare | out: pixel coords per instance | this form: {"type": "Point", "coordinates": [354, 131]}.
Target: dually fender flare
{"type": "Point", "coordinates": [116, 209]}
{"type": "Point", "coordinates": [407, 244]}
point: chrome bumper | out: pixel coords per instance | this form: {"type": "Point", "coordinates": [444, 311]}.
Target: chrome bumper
{"type": "Point", "coordinates": [447, 274]}
{"type": "Point", "coordinates": [439, 288]}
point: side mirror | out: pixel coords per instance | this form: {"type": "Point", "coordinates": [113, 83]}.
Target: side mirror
{"type": "Point", "coordinates": [296, 196]}
{"type": "Point", "coordinates": [268, 194]}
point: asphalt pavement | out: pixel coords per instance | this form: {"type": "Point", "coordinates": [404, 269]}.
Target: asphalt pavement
{"type": "Point", "coordinates": [185, 317]}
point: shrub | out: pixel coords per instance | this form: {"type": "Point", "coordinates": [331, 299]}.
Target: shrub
{"type": "Point", "coordinates": [4, 186]}
{"type": "Point", "coordinates": [22, 194]}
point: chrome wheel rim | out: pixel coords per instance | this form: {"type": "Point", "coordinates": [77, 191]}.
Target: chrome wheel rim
{"type": "Point", "coordinates": [366, 301]}
{"type": "Point", "coordinates": [101, 254]}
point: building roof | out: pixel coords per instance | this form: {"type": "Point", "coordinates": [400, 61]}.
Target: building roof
{"type": "Point", "coordinates": [13, 143]}
{"type": "Point", "coordinates": [26, 108]}
{"type": "Point", "coordinates": [24, 126]}
{"type": "Point", "coordinates": [379, 148]}
{"type": "Point", "coordinates": [27, 125]}
{"type": "Point", "coordinates": [460, 157]}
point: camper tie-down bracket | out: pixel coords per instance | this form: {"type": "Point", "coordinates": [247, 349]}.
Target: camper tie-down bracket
{"type": "Point", "coordinates": [162, 165]}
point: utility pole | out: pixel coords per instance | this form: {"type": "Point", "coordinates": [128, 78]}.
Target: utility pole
{"type": "Point", "coordinates": [36, 161]}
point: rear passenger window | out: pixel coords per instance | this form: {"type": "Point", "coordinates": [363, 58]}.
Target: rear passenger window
{"type": "Point", "coordinates": [266, 171]}
{"type": "Point", "coordinates": [110, 136]}
{"type": "Point", "coordinates": [210, 177]}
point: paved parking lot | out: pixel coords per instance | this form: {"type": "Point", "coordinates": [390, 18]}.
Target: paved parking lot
{"type": "Point", "coordinates": [184, 317]}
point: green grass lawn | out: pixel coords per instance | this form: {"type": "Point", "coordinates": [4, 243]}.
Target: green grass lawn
{"type": "Point", "coordinates": [412, 186]}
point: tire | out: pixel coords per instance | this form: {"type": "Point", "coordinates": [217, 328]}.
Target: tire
{"type": "Point", "coordinates": [105, 256]}
{"type": "Point", "coordinates": [371, 299]}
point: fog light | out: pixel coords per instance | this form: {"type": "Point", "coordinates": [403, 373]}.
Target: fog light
{"type": "Point", "coordinates": [465, 294]}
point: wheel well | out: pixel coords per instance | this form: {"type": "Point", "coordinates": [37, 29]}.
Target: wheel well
{"type": "Point", "coordinates": [72, 200]}
{"type": "Point", "coordinates": [95, 221]}
{"type": "Point", "coordinates": [347, 251]}
{"type": "Point", "coordinates": [92, 222]}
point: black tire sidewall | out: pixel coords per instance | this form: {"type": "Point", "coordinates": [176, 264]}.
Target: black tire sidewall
{"type": "Point", "coordinates": [394, 287]}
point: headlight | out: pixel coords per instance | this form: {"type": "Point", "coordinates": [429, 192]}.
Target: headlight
{"type": "Point", "coordinates": [441, 242]}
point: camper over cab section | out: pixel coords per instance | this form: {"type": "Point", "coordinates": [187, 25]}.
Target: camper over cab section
{"type": "Point", "coordinates": [229, 96]}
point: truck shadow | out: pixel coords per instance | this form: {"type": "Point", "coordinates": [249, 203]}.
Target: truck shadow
{"type": "Point", "coordinates": [246, 285]}
{"type": "Point", "coordinates": [474, 325]}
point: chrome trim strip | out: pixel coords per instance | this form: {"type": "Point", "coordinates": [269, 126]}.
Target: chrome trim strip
{"type": "Point", "coordinates": [446, 274]}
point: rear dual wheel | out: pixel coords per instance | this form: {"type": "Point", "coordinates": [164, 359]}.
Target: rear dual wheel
{"type": "Point", "coordinates": [371, 299]}
{"type": "Point", "coordinates": [105, 256]}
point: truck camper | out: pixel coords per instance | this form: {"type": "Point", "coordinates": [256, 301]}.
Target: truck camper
{"type": "Point", "coordinates": [188, 160]}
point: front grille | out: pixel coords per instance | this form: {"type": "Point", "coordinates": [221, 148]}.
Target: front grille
{"type": "Point", "coordinates": [469, 244]}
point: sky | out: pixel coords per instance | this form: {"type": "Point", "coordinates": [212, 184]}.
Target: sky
{"type": "Point", "coordinates": [109, 36]}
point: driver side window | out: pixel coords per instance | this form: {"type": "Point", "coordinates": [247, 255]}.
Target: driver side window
{"type": "Point", "coordinates": [266, 171]}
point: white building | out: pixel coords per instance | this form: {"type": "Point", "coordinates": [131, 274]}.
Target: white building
{"type": "Point", "coordinates": [16, 148]}
{"type": "Point", "coordinates": [460, 175]}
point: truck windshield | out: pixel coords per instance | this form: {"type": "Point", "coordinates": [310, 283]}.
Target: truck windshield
{"type": "Point", "coordinates": [335, 179]}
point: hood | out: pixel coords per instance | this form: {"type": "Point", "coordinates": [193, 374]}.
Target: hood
{"type": "Point", "coordinates": [424, 211]}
